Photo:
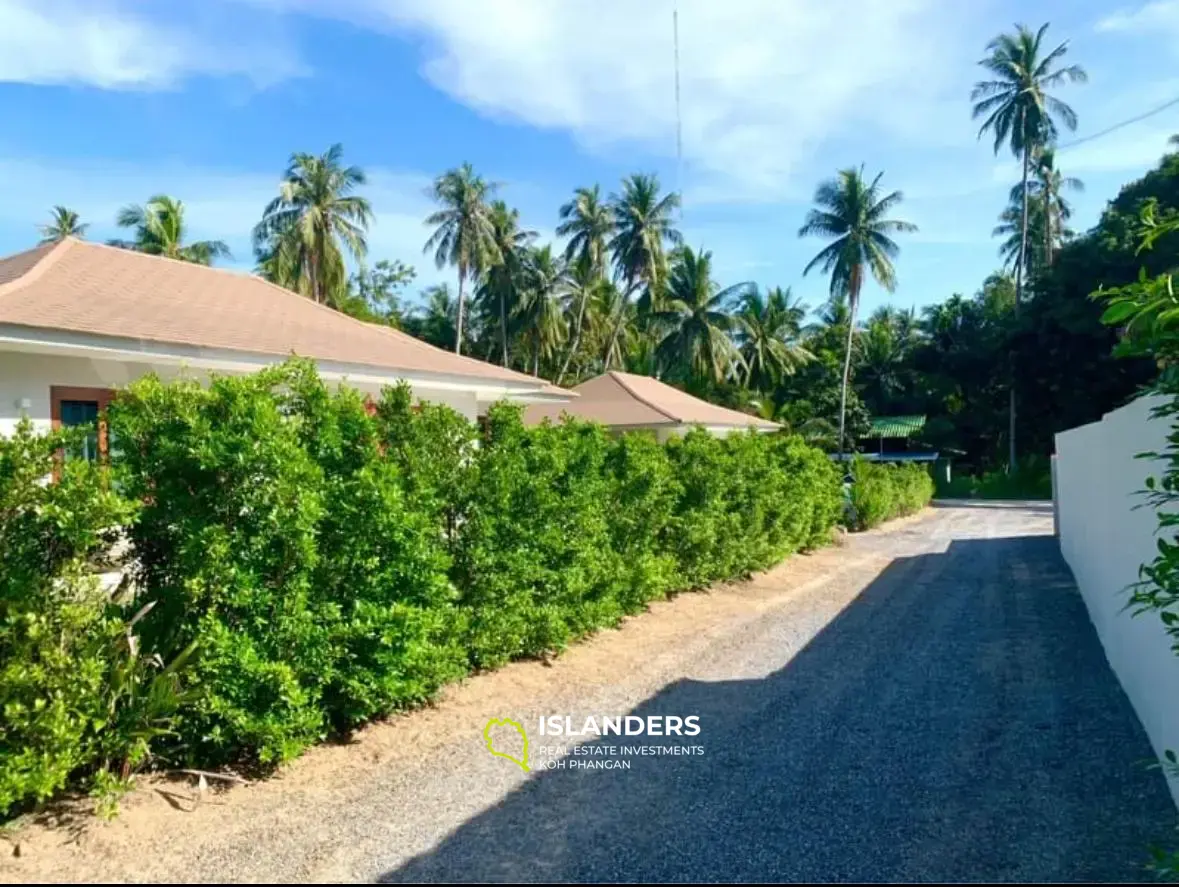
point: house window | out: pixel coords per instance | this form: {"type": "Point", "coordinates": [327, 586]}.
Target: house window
{"type": "Point", "coordinates": [86, 407]}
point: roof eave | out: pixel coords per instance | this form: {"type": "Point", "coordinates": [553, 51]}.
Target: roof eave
{"type": "Point", "coordinates": [19, 337]}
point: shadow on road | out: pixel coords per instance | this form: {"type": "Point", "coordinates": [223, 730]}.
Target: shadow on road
{"type": "Point", "coordinates": [956, 722]}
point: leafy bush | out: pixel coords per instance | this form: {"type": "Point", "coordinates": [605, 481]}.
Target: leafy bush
{"type": "Point", "coordinates": [274, 530]}
{"type": "Point", "coordinates": [882, 491]}
{"type": "Point", "coordinates": [76, 695]}
{"type": "Point", "coordinates": [1032, 479]}
{"type": "Point", "coordinates": [332, 560]}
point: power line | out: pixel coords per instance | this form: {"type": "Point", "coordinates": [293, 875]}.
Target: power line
{"type": "Point", "coordinates": [1117, 126]}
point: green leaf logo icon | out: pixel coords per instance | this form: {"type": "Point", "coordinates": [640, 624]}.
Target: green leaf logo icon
{"type": "Point", "coordinates": [522, 761]}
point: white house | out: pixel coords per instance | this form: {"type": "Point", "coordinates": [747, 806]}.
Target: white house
{"type": "Point", "coordinates": [627, 402]}
{"type": "Point", "coordinates": [79, 319]}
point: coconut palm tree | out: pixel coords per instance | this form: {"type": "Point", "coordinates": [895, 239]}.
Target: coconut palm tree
{"type": "Point", "coordinates": [884, 364]}
{"type": "Point", "coordinates": [437, 322]}
{"type": "Point", "coordinates": [588, 223]}
{"type": "Point", "coordinates": [694, 321]}
{"type": "Point", "coordinates": [770, 331]}
{"type": "Point", "coordinates": [643, 228]}
{"type": "Point", "coordinates": [1020, 112]}
{"type": "Point", "coordinates": [1010, 228]}
{"type": "Point", "coordinates": [854, 213]}
{"type": "Point", "coordinates": [315, 216]}
{"type": "Point", "coordinates": [159, 230]}
{"type": "Point", "coordinates": [62, 223]}
{"type": "Point", "coordinates": [538, 315]}
{"type": "Point", "coordinates": [503, 284]}
{"type": "Point", "coordinates": [464, 232]}
{"type": "Point", "coordinates": [579, 286]}
{"type": "Point", "coordinates": [1047, 189]}
{"type": "Point", "coordinates": [610, 325]}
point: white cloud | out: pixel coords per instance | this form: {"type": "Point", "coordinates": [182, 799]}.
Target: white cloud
{"type": "Point", "coordinates": [219, 204]}
{"type": "Point", "coordinates": [1150, 18]}
{"type": "Point", "coordinates": [766, 84]}
{"type": "Point", "coordinates": [103, 44]}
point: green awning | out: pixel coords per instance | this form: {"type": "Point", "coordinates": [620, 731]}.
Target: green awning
{"type": "Point", "coordinates": [896, 426]}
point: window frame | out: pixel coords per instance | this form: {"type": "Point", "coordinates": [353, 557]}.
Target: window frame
{"type": "Point", "coordinates": [102, 396]}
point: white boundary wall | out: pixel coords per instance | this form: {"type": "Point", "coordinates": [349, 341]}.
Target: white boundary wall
{"type": "Point", "coordinates": [1104, 538]}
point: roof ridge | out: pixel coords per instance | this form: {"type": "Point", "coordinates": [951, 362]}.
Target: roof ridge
{"type": "Point", "coordinates": [289, 293]}
{"type": "Point", "coordinates": [617, 376]}
{"type": "Point", "coordinates": [52, 252]}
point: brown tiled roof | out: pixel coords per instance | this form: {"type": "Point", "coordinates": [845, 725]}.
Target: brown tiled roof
{"type": "Point", "coordinates": [622, 399]}
{"type": "Point", "coordinates": [91, 288]}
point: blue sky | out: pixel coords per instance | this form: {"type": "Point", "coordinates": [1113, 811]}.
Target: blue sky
{"type": "Point", "coordinates": [106, 102]}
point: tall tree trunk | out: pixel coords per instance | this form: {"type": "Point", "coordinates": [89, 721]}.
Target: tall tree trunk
{"type": "Point", "coordinates": [575, 343]}
{"type": "Point", "coordinates": [853, 304]}
{"type": "Point", "coordinates": [1020, 269]}
{"type": "Point", "coordinates": [313, 264]}
{"type": "Point", "coordinates": [617, 326]}
{"type": "Point", "coordinates": [1048, 242]}
{"type": "Point", "coordinates": [458, 326]}
{"type": "Point", "coordinates": [503, 323]}
{"type": "Point", "coordinates": [536, 361]}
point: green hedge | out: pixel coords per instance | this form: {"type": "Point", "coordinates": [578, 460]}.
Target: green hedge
{"type": "Point", "coordinates": [330, 563]}
{"type": "Point", "coordinates": [882, 491]}
{"type": "Point", "coordinates": [77, 693]}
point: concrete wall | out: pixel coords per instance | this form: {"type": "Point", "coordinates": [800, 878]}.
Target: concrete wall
{"type": "Point", "coordinates": [1105, 538]}
{"type": "Point", "coordinates": [26, 379]}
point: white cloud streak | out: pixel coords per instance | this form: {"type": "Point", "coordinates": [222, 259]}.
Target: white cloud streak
{"type": "Point", "coordinates": [1149, 18]}
{"type": "Point", "coordinates": [766, 85]}
{"type": "Point", "coordinates": [108, 45]}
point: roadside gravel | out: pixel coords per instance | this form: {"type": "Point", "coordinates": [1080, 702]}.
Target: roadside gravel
{"type": "Point", "coordinates": [926, 702]}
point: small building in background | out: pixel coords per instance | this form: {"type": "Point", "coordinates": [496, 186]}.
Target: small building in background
{"type": "Point", "coordinates": [897, 439]}
{"type": "Point", "coordinates": [628, 402]}
{"type": "Point", "coordinates": [893, 435]}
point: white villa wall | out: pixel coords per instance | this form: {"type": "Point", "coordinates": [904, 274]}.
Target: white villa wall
{"type": "Point", "coordinates": [26, 378]}
{"type": "Point", "coordinates": [1105, 537]}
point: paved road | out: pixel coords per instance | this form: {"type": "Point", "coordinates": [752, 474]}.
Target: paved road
{"type": "Point", "coordinates": [927, 703]}
{"type": "Point", "coordinates": [955, 722]}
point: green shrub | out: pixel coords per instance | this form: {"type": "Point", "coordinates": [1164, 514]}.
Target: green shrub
{"type": "Point", "coordinates": [381, 573]}
{"type": "Point", "coordinates": [227, 542]}
{"type": "Point", "coordinates": [644, 497]}
{"type": "Point", "coordinates": [276, 532]}
{"type": "Point", "coordinates": [882, 491]}
{"type": "Point", "coordinates": [1032, 479]}
{"type": "Point", "coordinates": [534, 562]}
{"type": "Point", "coordinates": [76, 695]}
{"type": "Point", "coordinates": [331, 560]}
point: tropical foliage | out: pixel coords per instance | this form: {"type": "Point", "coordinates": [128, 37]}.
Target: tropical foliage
{"type": "Point", "coordinates": [616, 290]}
{"type": "Point", "coordinates": [854, 214]}
{"type": "Point", "coordinates": [160, 229]}
{"type": "Point", "coordinates": [62, 223]}
{"type": "Point", "coordinates": [1021, 113]}
{"type": "Point", "coordinates": [465, 234]}
{"type": "Point", "coordinates": [303, 564]}
{"type": "Point", "coordinates": [306, 229]}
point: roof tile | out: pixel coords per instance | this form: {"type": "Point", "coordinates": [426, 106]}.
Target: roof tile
{"type": "Point", "coordinates": [621, 399]}
{"type": "Point", "coordinates": [91, 288]}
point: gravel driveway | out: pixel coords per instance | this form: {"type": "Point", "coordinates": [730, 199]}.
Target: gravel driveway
{"type": "Point", "coordinates": [928, 702]}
